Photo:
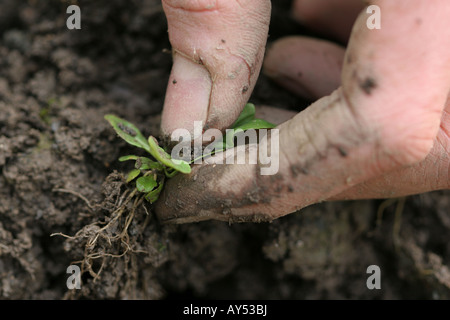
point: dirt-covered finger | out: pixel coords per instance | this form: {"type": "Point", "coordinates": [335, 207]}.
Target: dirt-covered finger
{"type": "Point", "coordinates": [218, 48]}
{"type": "Point", "coordinates": [309, 67]}
{"type": "Point", "coordinates": [333, 18]}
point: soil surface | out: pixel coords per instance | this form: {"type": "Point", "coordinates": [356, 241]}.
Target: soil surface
{"type": "Point", "coordinates": [64, 201]}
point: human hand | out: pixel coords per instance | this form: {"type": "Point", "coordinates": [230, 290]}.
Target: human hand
{"type": "Point", "coordinates": [384, 132]}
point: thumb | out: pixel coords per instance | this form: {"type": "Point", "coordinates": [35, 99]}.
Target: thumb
{"type": "Point", "coordinates": [218, 48]}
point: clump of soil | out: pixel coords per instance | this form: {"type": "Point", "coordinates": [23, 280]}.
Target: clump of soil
{"type": "Point", "coordinates": [59, 176]}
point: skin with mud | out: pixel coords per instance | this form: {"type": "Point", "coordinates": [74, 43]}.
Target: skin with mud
{"type": "Point", "coordinates": [59, 175]}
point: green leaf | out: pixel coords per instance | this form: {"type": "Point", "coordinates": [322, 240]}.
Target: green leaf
{"type": "Point", "coordinates": [245, 121]}
{"type": "Point", "coordinates": [146, 184]}
{"type": "Point", "coordinates": [133, 174]}
{"type": "Point", "coordinates": [247, 114]}
{"type": "Point", "coordinates": [126, 158]}
{"type": "Point", "coordinates": [152, 196]}
{"type": "Point", "coordinates": [255, 124]}
{"type": "Point", "coordinates": [128, 132]}
{"type": "Point", "coordinates": [170, 174]}
{"type": "Point", "coordinates": [144, 163]}
{"type": "Point", "coordinates": [159, 154]}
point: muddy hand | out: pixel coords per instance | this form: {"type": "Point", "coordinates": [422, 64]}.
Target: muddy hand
{"type": "Point", "coordinates": [218, 48]}
{"type": "Point", "coordinates": [383, 133]}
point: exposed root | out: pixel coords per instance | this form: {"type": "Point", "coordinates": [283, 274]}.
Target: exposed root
{"type": "Point", "coordinates": [103, 240]}
{"type": "Point", "coordinates": [397, 217]}
{"type": "Point", "coordinates": [76, 194]}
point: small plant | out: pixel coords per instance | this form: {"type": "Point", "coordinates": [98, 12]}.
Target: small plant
{"type": "Point", "coordinates": [150, 173]}
{"type": "Point", "coordinates": [110, 239]}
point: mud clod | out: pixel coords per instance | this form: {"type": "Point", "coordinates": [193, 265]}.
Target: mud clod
{"type": "Point", "coordinates": [297, 169]}
{"type": "Point", "coordinates": [342, 152]}
{"type": "Point", "coordinates": [368, 85]}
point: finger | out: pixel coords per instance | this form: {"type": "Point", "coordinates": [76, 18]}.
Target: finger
{"type": "Point", "coordinates": [182, 203]}
{"type": "Point", "coordinates": [330, 17]}
{"type": "Point", "coordinates": [395, 81]}
{"type": "Point", "coordinates": [217, 55]}
{"type": "Point", "coordinates": [308, 67]}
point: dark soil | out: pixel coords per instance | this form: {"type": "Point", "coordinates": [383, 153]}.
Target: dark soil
{"type": "Point", "coordinates": [59, 174]}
